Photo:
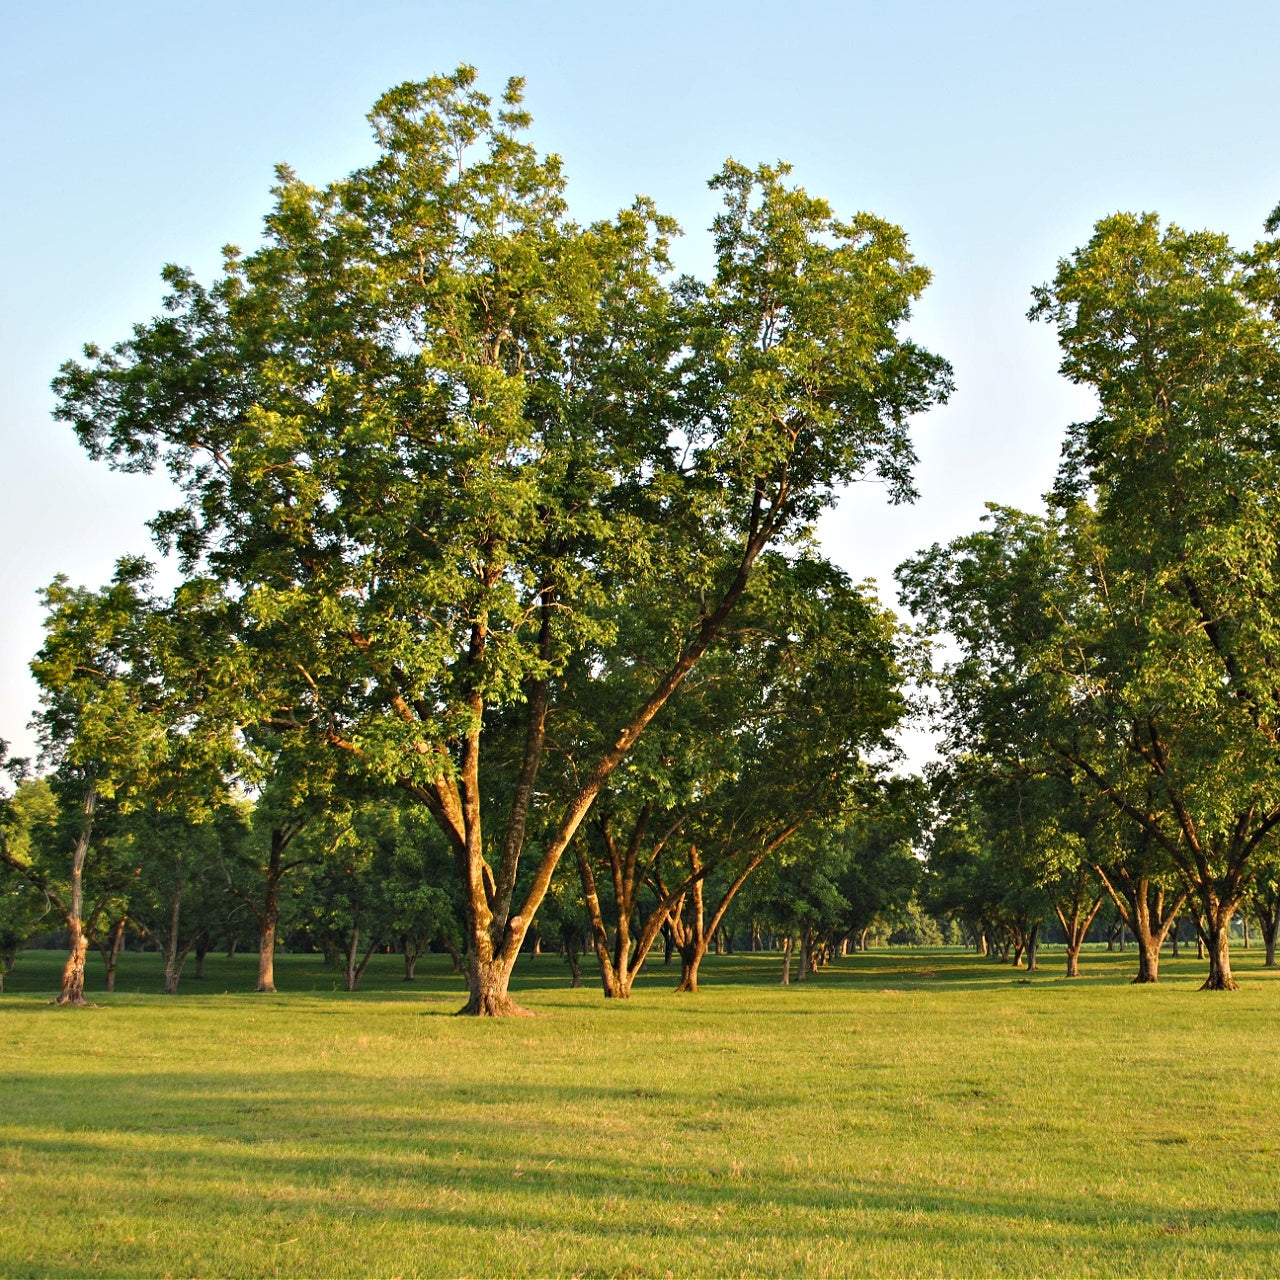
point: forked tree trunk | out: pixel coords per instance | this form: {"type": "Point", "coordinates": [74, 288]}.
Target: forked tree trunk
{"type": "Point", "coordinates": [1076, 917]}
{"type": "Point", "coordinates": [1033, 947]}
{"type": "Point", "coordinates": [1143, 907]}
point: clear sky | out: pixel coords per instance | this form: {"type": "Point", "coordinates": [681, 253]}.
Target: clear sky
{"type": "Point", "coordinates": [997, 133]}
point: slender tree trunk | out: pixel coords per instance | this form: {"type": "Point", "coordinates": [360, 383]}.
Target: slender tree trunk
{"type": "Point", "coordinates": [1269, 926]}
{"type": "Point", "coordinates": [202, 950]}
{"type": "Point", "coordinates": [172, 962]}
{"type": "Point", "coordinates": [111, 952]}
{"type": "Point", "coordinates": [1033, 947]}
{"type": "Point", "coordinates": [411, 955]}
{"type": "Point", "coordinates": [786, 960]}
{"type": "Point", "coordinates": [571, 953]}
{"type": "Point", "coordinates": [72, 992]}
{"type": "Point", "coordinates": [270, 917]}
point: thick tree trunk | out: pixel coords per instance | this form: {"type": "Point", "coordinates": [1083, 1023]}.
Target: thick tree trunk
{"type": "Point", "coordinates": [1148, 960]}
{"type": "Point", "coordinates": [488, 996]}
{"type": "Point", "coordinates": [73, 972]}
{"type": "Point", "coordinates": [1219, 949]}
{"type": "Point", "coordinates": [410, 963]}
{"type": "Point", "coordinates": [668, 944]}
{"type": "Point", "coordinates": [202, 950]}
{"type": "Point", "coordinates": [1033, 947]}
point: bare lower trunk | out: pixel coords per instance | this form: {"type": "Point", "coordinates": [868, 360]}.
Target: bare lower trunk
{"type": "Point", "coordinates": [269, 920]}
{"type": "Point", "coordinates": [575, 969]}
{"type": "Point", "coordinates": [78, 945]}
{"type": "Point", "coordinates": [1219, 949]}
{"type": "Point", "coordinates": [488, 997]}
{"type": "Point", "coordinates": [267, 955]}
{"type": "Point", "coordinates": [690, 959]}
{"type": "Point", "coordinates": [111, 952]}
{"type": "Point", "coordinates": [786, 960]}
{"type": "Point", "coordinates": [73, 973]}
{"type": "Point", "coordinates": [355, 964]}
{"type": "Point", "coordinates": [1033, 947]}
{"type": "Point", "coordinates": [172, 962]}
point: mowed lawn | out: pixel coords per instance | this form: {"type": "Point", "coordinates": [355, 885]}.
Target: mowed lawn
{"type": "Point", "coordinates": [906, 1113]}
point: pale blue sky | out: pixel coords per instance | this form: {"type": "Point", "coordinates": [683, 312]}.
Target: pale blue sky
{"type": "Point", "coordinates": [996, 133]}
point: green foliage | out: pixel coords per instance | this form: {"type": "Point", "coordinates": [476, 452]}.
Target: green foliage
{"type": "Point", "coordinates": [440, 444]}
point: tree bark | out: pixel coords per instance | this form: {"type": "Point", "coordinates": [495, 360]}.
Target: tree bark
{"type": "Point", "coordinates": [72, 992]}
{"type": "Point", "coordinates": [787, 944]}
{"type": "Point", "coordinates": [111, 952]}
{"type": "Point", "coordinates": [1218, 946]}
{"type": "Point", "coordinates": [172, 961]}
{"type": "Point", "coordinates": [488, 997]}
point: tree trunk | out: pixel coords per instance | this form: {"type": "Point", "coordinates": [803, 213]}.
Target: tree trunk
{"type": "Point", "coordinates": [270, 918]}
{"type": "Point", "coordinates": [410, 962]}
{"type": "Point", "coordinates": [806, 954]}
{"type": "Point", "coordinates": [862, 938]}
{"type": "Point", "coordinates": [202, 950]}
{"type": "Point", "coordinates": [668, 944]}
{"type": "Point", "coordinates": [1033, 947]}
{"type": "Point", "coordinates": [690, 958]}
{"type": "Point", "coordinates": [786, 960]}
{"type": "Point", "coordinates": [487, 982]}
{"type": "Point", "coordinates": [172, 964]}
{"type": "Point", "coordinates": [72, 992]}
{"type": "Point", "coordinates": [1270, 926]}
{"type": "Point", "coordinates": [111, 952]}
{"type": "Point", "coordinates": [1219, 949]}
{"type": "Point", "coordinates": [571, 955]}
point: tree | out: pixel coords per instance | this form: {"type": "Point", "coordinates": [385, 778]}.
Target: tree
{"type": "Point", "coordinates": [1178, 334]}
{"type": "Point", "coordinates": [426, 421]}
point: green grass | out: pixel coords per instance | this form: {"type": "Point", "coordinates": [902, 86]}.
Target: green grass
{"type": "Point", "coordinates": [908, 1113]}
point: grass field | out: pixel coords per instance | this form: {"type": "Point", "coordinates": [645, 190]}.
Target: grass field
{"type": "Point", "coordinates": [907, 1113]}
